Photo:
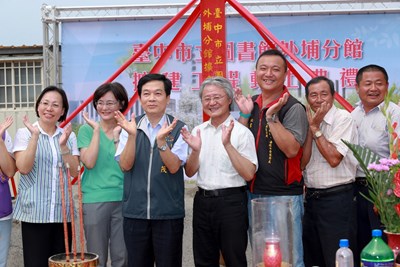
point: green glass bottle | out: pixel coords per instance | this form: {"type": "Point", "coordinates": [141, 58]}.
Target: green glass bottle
{"type": "Point", "coordinates": [377, 252]}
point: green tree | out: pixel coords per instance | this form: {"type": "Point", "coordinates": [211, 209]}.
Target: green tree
{"type": "Point", "coordinates": [189, 108]}
{"type": "Point", "coordinates": [136, 67]}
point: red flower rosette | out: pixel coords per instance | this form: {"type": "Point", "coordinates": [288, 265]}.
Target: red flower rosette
{"type": "Point", "coordinates": [397, 209]}
{"type": "Point", "coordinates": [396, 182]}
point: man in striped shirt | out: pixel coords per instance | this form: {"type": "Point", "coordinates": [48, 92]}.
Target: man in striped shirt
{"type": "Point", "coordinates": [329, 175]}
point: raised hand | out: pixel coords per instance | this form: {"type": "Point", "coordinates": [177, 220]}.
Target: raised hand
{"type": "Point", "coordinates": [315, 119]}
{"type": "Point", "coordinates": [245, 104]}
{"type": "Point", "coordinates": [165, 130]}
{"type": "Point", "coordinates": [194, 142]}
{"type": "Point", "coordinates": [65, 135]}
{"type": "Point", "coordinates": [226, 133]}
{"type": "Point", "coordinates": [33, 129]}
{"type": "Point", "coordinates": [4, 126]}
{"type": "Point", "coordinates": [89, 121]}
{"type": "Point", "coordinates": [277, 106]}
{"type": "Point", "coordinates": [128, 126]}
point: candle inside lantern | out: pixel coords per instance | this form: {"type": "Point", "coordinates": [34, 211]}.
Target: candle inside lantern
{"type": "Point", "coordinates": [272, 252]}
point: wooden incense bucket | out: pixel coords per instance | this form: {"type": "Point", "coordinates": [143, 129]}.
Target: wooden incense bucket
{"type": "Point", "coordinates": [59, 260]}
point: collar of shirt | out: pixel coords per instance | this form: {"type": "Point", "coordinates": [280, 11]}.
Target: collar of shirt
{"type": "Point", "coordinates": [377, 108]}
{"type": "Point", "coordinates": [58, 129]}
{"type": "Point", "coordinates": [226, 122]}
{"type": "Point", "coordinates": [330, 115]}
{"type": "Point", "coordinates": [153, 131]}
{"type": "Point", "coordinates": [259, 99]}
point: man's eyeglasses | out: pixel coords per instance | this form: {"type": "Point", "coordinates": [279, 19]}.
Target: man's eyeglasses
{"type": "Point", "coordinates": [216, 98]}
{"type": "Point", "coordinates": [108, 104]}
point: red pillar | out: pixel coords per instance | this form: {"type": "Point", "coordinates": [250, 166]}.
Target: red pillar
{"type": "Point", "coordinates": [213, 39]}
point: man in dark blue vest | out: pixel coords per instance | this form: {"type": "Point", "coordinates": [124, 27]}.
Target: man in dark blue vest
{"type": "Point", "coordinates": [151, 152]}
{"type": "Point", "coordinates": [279, 124]}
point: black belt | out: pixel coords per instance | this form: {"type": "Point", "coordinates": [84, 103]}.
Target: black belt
{"type": "Point", "coordinates": [361, 181]}
{"type": "Point", "coordinates": [221, 192]}
{"type": "Point", "coordinates": [317, 193]}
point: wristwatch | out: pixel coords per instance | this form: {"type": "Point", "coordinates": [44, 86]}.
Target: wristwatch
{"type": "Point", "coordinates": [163, 147]}
{"type": "Point", "coordinates": [318, 134]}
{"type": "Point", "coordinates": [272, 119]}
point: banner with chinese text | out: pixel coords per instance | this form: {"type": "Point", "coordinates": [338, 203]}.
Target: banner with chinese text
{"type": "Point", "coordinates": [335, 46]}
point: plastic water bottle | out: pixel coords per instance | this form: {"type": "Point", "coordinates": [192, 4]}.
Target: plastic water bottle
{"type": "Point", "coordinates": [344, 255]}
{"type": "Point", "coordinates": [377, 252]}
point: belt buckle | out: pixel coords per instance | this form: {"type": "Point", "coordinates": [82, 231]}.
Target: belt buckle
{"type": "Point", "coordinates": [208, 193]}
{"type": "Point", "coordinates": [315, 194]}
{"type": "Point", "coordinates": [362, 182]}
{"type": "Point", "coordinates": [204, 192]}
{"type": "Point", "coordinates": [215, 193]}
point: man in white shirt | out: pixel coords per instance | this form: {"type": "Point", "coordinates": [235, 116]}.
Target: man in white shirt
{"type": "Point", "coordinates": [224, 156]}
{"type": "Point", "coordinates": [329, 175]}
{"type": "Point", "coordinates": [372, 83]}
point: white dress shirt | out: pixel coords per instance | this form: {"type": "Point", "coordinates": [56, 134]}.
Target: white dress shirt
{"type": "Point", "coordinates": [216, 170]}
{"type": "Point", "coordinates": [336, 126]}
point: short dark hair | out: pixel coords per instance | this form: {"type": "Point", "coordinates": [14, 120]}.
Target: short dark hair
{"type": "Point", "coordinates": [371, 67]}
{"type": "Point", "coordinates": [65, 104]}
{"type": "Point", "coordinates": [273, 52]}
{"type": "Point", "coordinates": [118, 91]}
{"type": "Point", "coordinates": [318, 79]}
{"type": "Point", "coordinates": [155, 77]}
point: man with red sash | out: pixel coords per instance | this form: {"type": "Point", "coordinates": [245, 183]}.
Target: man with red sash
{"type": "Point", "coordinates": [279, 124]}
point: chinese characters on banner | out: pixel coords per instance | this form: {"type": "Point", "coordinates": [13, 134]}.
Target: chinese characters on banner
{"type": "Point", "coordinates": [247, 51]}
{"type": "Point", "coordinates": [213, 38]}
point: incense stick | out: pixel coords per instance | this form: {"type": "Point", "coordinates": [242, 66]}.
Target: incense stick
{"type": "Point", "coordinates": [81, 233]}
{"type": "Point", "coordinates": [64, 211]}
{"type": "Point", "coordinates": [71, 208]}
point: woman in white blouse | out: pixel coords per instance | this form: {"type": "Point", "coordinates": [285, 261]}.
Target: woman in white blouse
{"type": "Point", "coordinates": [39, 149]}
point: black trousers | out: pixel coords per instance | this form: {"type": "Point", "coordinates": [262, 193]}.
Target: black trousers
{"type": "Point", "coordinates": [40, 241]}
{"type": "Point", "coordinates": [220, 223]}
{"type": "Point", "coordinates": [327, 219]}
{"type": "Point", "coordinates": [154, 241]}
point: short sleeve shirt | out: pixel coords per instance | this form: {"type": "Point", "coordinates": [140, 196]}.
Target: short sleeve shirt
{"type": "Point", "coordinates": [39, 192]}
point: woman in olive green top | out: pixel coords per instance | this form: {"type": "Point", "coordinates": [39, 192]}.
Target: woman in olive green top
{"type": "Point", "coordinates": [102, 180]}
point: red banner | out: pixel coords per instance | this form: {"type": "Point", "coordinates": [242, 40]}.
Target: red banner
{"type": "Point", "coordinates": [213, 38]}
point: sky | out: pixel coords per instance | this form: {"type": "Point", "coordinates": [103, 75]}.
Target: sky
{"type": "Point", "coordinates": [21, 20]}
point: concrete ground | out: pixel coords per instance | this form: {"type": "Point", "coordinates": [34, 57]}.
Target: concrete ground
{"type": "Point", "coordinates": [15, 258]}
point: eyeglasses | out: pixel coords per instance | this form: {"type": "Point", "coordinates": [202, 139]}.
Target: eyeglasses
{"type": "Point", "coordinates": [216, 98]}
{"type": "Point", "coordinates": [108, 104]}
{"type": "Point", "coordinates": [47, 105]}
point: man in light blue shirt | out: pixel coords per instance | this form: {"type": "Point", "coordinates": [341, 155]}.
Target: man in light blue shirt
{"type": "Point", "coordinates": [372, 84]}
{"type": "Point", "coordinates": [151, 152]}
